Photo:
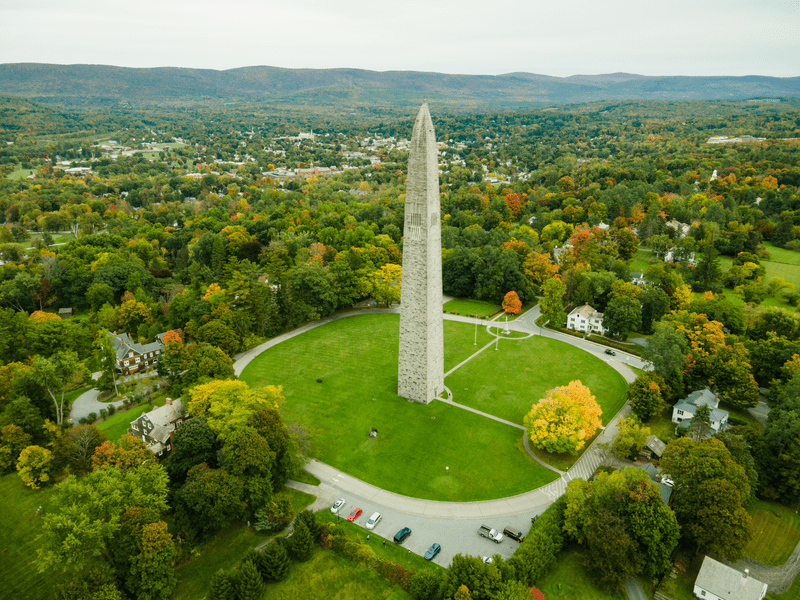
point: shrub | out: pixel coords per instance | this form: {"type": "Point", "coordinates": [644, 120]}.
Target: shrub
{"type": "Point", "coordinates": [91, 418]}
{"type": "Point", "coordinates": [111, 409]}
{"type": "Point", "coordinates": [537, 553]}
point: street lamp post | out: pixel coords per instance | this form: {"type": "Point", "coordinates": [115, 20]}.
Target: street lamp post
{"type": "Point", "coordinates": [476, 331]}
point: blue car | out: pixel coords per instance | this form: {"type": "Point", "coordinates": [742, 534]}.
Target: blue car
{"type": "Point", "coordinates": [432, 551]}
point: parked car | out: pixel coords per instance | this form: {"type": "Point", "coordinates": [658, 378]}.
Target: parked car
{"type": "Point", "coordinates": [432, 551]}
{"type": "Point", "coordinates": [373, 520]}
{"type": "Point", "coordinates": [402, 535]}
{"type": "Point", "coordinates": [492, 534]}
{"type": "Point", "coordinates": [487, 559]}
{"type": "Point", "coordinates": [513, 533]}
{"type": "Point", "coordinates": [355, 514]}
{"type": "Point", "coordinates": [337, 505]}
{"type": "Point", "coordinates": [610, 352]}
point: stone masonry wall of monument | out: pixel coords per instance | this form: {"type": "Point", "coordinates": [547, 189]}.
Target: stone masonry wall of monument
{"type": "Point", "coordinates": [421, 362]}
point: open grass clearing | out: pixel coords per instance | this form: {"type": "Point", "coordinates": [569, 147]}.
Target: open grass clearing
{"type": "Point", "coordinates": [328, 575]}
{"type": "Point", "coordinates": [307, 478]}
{"type": "Point", "coordinates": [225, 550]}
{"type": "Point", "coordinates": [568, 579]}
{"type": "Point", "coordinates": [471, 308]}
{"type": "Point", "coordinates": [507, 382]}
{"type": "Point", "coordinates": [20, 528]}
{"type": "Point", "coordinates": [356, 358]}
{"type": "Point", "coordinates": [776, 532]}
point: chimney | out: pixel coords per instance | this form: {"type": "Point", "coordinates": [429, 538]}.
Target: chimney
{"type": "Point", "coordinates": [746, 573]}
{"type": "Point", "coordinates": [169, 401]}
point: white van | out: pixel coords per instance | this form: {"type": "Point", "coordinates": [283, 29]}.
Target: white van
{"type": "Point", "coordinates": [373, 520]}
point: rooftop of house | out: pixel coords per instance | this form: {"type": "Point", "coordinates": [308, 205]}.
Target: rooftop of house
{"type": "Point", "coordinates": [655, 445]}
{"type": "Point", "coordinates": [726, 582]}
{"type": "Point", "coordinates": [163, 416]}
{"type": "Point", "coordinates": [123, 343]}
{"type": "Point", "coordinates": [587, 312]}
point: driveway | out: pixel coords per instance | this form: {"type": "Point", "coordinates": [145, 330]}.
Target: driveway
{"type": "Point", "coordinates": [87, 403]}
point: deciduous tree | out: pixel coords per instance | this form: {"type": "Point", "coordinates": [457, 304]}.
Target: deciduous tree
{"type": "Point", "coordinates": [227, 405]}
{"type": "Point", "coordinates": [55, 374]}
{"type": "Point", "coordinates": [511, 303]}
{"type": "Point", "coordinates": [129, 453]}
{"type": "Point", "coordinates": [564, 419]}
{"type": "Point", "coordinates": [553, 302]}
{"type": "Point", "coordinates": [34, 465]}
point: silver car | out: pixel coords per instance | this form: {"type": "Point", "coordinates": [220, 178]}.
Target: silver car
{"type": "Point", "coordinates": [337, 505]}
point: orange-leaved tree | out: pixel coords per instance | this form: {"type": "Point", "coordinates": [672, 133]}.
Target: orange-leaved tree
{"type": "Point", "coordinates": [130, 452]}
{"type": "Point", "coordinates": [564, 419]}
{"type": "Point", "coordinates": [512, 303]}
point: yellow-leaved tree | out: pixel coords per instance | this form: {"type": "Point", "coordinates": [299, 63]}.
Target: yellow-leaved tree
{"type": "Point", "coordinates": [564, 419]}
{"type": "Point", "coordinates": [228, 405]}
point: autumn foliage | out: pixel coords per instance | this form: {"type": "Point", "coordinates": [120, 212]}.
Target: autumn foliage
{"type": "Point", "coordinates": [512, 303]}
{"type": "Point", "coordinates": [129, 453]}
{"type": "Point", "coordinates": [564, 419]}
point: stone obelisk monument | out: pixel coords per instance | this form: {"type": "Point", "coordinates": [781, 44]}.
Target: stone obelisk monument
{"type": "Point", "coordinates": [421, 364]}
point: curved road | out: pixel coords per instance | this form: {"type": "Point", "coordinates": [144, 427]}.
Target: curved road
{"type": "Point", "coordinates": [453, 524]}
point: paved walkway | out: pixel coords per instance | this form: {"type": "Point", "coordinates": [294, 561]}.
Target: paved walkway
{"type": "Point", "coordinates": [535, 500]}
{"type": "Point", "coordinates": [87, 403]}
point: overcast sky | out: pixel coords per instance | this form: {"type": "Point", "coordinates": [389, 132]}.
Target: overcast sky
{"type": "Point", "coordinates": [560, 38]}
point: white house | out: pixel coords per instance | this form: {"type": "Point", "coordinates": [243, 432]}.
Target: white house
{"type": "Point", "coordinates": [717, 581]}
{"type": "Point", "coordinates": [585, 318]}
{"type": "Point", "coordinates": [684, 410]}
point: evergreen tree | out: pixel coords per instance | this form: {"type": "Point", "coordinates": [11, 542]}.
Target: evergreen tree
{"type": "Point", "coordinates": [301, 543]}
{"type": "Point", "coordinates": [700, 427]}
{"type": "Point", "coordinates": [274, 561]}
{"type": "Point", "coordinates": [221, 587]}
{"type": "Point", "coordinates": [250, 584]}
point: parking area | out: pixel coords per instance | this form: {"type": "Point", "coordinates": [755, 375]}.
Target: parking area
{"type": "Point", "coordinates": [456, 536]}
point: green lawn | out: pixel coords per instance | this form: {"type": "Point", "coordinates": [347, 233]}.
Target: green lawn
{"type": "Point", "coordinates": [356, 358]}
{"type": "Point", "coordinates": [19, 528]}
{"type": "Point", "coordinates": [471, 307]}
{"type": "Point", "coordinates": [224, 551]}
{"type": "Point", "coordinates": [793, 593]}
{"type": "Point", "coordinates": [507, 382]}
{"type": "Point", "coordinates": [776, 532]}
{"type": "Point", "coordinates": [20, 173]}
{"type": "Point", "coordinates": [409, 561]}
{"type": "Point", "coordinates": [117, 425]}
{"type": "Point", "coordinates": [306, 477]}
{"type": "Point", "coordinates": [328, 575]}
{"type": "Point", "coordinates": [641, 261]}
{"type": "Point", "coordinates": [568, 579]}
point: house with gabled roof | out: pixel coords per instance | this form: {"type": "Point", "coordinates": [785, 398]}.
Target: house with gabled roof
{"type": "Point", "coordinates": [157, 427]}
{"type": "Point", "coordinates": [684, 410]}
{"type": "Point", "coordinates": [133, 357]}
{"type": "Point", "coordinates": [585, 318]}
{"type": "Point", "coordinates": [718, 581]}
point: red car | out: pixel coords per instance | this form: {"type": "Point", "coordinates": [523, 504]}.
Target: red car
{"type": "Point", "coordinates": [355, 514]}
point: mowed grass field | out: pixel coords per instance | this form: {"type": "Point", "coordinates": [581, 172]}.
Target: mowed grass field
{"type": "Point", "coordinates": [20, 528]}
{"type": "Point", "coordinates": [507, 382]}
{"type": "Point", "coordinates": [776, 532]}
{"type": "Point", "coordinates": [471, 308]}
{"type": "Point", "coordinates": [356, 358]}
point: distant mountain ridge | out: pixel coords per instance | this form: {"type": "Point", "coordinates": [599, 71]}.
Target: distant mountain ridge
{"type": "Point", "coordinates": [102, 85]}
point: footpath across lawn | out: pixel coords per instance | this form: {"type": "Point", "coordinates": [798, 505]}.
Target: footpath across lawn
{"type": "Point", "coordinates": [356, 358]}
{"type": "Point", "coordinates": [507, 382]}
{"type": "Point", "coordinates": [20, 528]}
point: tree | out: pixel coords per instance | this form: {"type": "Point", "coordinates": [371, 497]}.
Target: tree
{"type": "Point", "coordinates": [13, 440]}
{"type": "Point", "coordinates": [274, 562]}
{"type": "Point", "coordinates": [564, 419]}
{"type": "Point", "coordinates": [194, 443]}
{"type": "Point", "coordinates": [700, 426]}
{"type": "Point", "coordinates": [219, 335]}
{"type": "Point", "coordinates": [248, 457]}
{"type": "Point", "coordinates": [301, 543]}
{"type": "Point", "coordinates": [655, 304]}
{"type": "Point", "coordinates": [462, 593]}
{"type": "Point", "coordinates": [206, 362]}
{"type": "Point", "coordinates": [645, 395]}
{"type": "Point", "coordinates": [221, 587]}
{"type": "Point", "coordinates": [75, 447]}
{"type": "Point", "coordinates": [426, 585]}
{"type": "Point", "coordinates": [624, 524]}
{"type": "Point", "coordinates": [386, 283]}
{"type": "Point", "coordinates": [24, 414]}
{"type": "Point", "coordinates": [622, 315]}
{"type": "Point", "coordinates": [87, 512]}
{"type": "Point", "coordinates": [94, 584]}
{"type": "Point", "coordinates": [106, 356]}
{"type": "Point", "coordinates": [707, 273]}
{"type": "Point", "coordinates": [33, 466]}
{"type": "Point", "coordinates": [129, 453]}
{"type": "Point", "coordinates": [666, 349]}
{"type": "Point", "coordinates": [227, 405]}
{"type": "Point", "coordinates": [469, 572]}
{"type": "Point", "coordinates": [553, 302]}
{"type": "Point", "coordinates": [718, 360]}
{"type": "Point", "coordinates": [511, 303]}
{"type": "Point", "coordinates": [131, 314]}
{"type": "Point", "coordinates": [249, 582]}
{"type": "Point", "coordinates": [209, 500]}
{"type": "Point", "coordinates": [710, 488]}
{"type": "Point", "coordinates": [288, 460]}
{"type": "Point", "coordinates": [631, 438]}
{"type": "Point", "coordinates": [55, 374]}
{"type": "Point", "coordinates": [152, 575]}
